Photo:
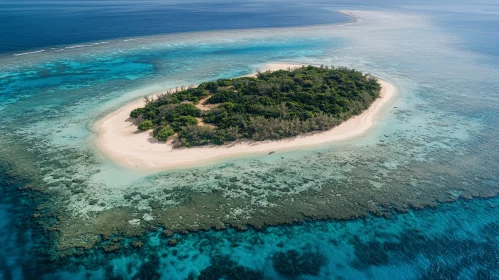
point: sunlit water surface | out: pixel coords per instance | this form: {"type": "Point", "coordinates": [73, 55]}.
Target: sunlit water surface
{"type": "Point", "coordinates": [436, 143]}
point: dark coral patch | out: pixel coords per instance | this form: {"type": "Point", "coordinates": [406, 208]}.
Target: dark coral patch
{"type": "Point", "coordinates": [292, 263]}
{"type": "Point", "coordinates": [224, 268]}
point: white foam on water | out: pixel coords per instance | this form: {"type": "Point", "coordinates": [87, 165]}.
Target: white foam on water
{"type": "Point", "coordinates": [26, 53]}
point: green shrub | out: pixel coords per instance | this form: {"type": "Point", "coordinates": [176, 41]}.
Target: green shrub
{"type": "Point", "coordinates": [162, 133]}
{"type": "Point", "coordinates": [182, 121]}
{"type": "Point", "coordinates": [188, 110]}
{"type": "Point", "coordinates": [136, 113]}
{"type": "Point", "coordinates": [146, 125]}
{"type": "Point", "coordinates": [196, 135]}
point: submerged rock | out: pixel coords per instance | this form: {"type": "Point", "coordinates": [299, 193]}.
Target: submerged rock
{"type": "Point", "coordinates": [173, 242]}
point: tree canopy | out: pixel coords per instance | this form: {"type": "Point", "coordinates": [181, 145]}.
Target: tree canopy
{"type": "Point", "coordinates": [273, 105]}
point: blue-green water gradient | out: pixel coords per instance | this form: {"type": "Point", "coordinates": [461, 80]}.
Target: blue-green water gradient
{"type": "Point", "coordinates": [438, 141]}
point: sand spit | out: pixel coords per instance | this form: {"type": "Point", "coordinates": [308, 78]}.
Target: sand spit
{"type": "Point", "coordinates": [119, 139]}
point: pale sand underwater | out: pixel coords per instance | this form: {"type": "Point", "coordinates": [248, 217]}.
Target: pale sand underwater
{"type": "Point", "coordinates": [120, 140]}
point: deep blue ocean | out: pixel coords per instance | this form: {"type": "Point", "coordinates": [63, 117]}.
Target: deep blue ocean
{"type": "Point", "coordinates": [30, 25]}
{"type": "Point", "coordinates": [65, 63]}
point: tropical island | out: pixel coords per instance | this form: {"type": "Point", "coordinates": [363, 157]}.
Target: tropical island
{"type": "Point", "coordinates": [269, 106]}
{"type": "Point", "coordinates": [118, 137]}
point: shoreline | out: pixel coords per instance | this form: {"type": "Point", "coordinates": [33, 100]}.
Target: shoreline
{"type": "Point", "coordinates": [119, 140]}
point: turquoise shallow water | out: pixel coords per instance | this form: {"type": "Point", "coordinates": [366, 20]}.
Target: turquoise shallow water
{"type": "Point", "coordinates": [455, 241]}
{"type": "Point", "coordinates": [436, 143]}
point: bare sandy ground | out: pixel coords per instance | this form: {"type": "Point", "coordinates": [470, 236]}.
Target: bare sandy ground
{"type": "Point", "coordinates": [119, 139]}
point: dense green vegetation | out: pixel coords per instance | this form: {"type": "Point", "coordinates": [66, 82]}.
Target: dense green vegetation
{"type": "Point", "coordinates": [273, 105]}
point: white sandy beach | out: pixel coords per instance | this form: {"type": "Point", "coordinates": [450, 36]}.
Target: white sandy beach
{"type": "Point", "coordinates": [119, 139]}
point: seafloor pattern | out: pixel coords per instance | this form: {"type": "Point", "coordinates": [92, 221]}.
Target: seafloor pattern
{"type": "Point", "coordinates": [437, 143]}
